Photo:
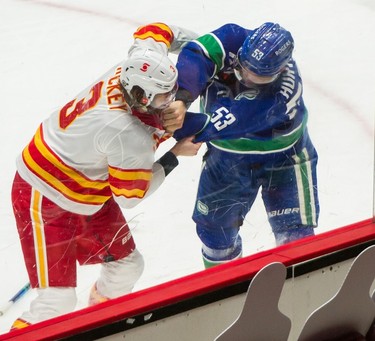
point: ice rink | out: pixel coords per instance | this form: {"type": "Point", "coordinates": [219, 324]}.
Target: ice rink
{"type": "Point", "coordinates": [50, 50]}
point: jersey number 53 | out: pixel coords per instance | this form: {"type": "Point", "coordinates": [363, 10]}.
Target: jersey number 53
{"type": "Point", "coordinates": [222, 118]}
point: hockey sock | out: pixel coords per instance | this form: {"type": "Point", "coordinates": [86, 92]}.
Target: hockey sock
{"type": "Point", "coordinates": [118, 277]}
{"type": "Point", "coordinates": [212, 257]}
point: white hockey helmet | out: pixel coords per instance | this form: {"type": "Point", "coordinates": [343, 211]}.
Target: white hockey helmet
{"type": "Point", "coordinates": [154, 73]}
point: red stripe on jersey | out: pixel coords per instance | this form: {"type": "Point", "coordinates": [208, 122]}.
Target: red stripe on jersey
{"type": "Point", "coordinates": [44, 163]}
{"type": "Point", "coordinates": [157, 31]}
{"type": "Point", "coordinates": [130, 183]}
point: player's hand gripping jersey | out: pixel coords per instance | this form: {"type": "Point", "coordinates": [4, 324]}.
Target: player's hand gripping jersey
{"type": "Point", "coordinates": [96, 146]}
{"type": "Point", "coordinates": [254, 119]}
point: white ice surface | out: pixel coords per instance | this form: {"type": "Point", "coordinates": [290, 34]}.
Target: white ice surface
{"type": "Point", "coordinates": [50, 50]}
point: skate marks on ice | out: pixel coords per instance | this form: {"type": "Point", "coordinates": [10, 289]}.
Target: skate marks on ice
{"type": "Point", "coordinates": [261, 309]}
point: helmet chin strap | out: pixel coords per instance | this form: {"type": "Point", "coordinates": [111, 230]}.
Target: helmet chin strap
{"type": "Point", "coordinates": [139, 106]}
{"type": "Point", "coordinates": [144, 108]}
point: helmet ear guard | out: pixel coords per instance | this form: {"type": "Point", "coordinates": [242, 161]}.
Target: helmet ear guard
{"type": "Point", "coordinates": [267, 51]}
{"type": "Point", "coordinates": [147, 73]}
{"type": "Point", "coordinates": [138, 95]}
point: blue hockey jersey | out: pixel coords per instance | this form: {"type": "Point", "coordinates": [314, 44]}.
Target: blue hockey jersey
{"type": "Point", "coordinates": [261, 119]}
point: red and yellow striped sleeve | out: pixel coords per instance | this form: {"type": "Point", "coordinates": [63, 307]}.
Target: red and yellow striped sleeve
{"type": "Point", "coordinates": [43, 162]}
{"type": "Point", "coordinates": [158, 31]}
{"type": "Point", "coordinates": [130, 183]}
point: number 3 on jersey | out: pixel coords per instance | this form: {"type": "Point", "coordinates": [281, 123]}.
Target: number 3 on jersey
{"type": "Point", "coordinates": [71, 111]}
{"type": "Point", "coordinates": [222, 118]}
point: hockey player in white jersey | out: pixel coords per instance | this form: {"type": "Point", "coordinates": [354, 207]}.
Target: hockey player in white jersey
{"type": "Point", "coordinates": [88, 159]}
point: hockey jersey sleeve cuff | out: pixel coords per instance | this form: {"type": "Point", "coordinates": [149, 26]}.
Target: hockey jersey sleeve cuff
{"type": "Point", "coordinates": [184, 96]}
{"type": "Point", "coordinates": [169, 162]}
{"type": "Point", "coordinates": [194, 123]}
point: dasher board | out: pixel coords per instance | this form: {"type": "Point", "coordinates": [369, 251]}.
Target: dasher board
{"type": "Point", "coordinates": [150, 309]}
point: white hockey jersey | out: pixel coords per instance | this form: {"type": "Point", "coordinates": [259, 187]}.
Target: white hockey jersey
{"type": "Point", "coordinates": [96, 147]}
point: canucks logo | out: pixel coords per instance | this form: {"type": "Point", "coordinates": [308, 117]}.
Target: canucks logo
{"type": "Point", "coordinates": [249, 94]}
{"type": "Point", "coordinates": [202, 208]}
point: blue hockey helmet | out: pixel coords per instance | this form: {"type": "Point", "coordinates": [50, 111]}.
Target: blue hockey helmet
{"type": "Point", "coordinates": [267, 50]}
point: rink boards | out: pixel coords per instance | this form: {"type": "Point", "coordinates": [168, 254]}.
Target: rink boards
{"type": "Point", "coordinates": [200, 306]}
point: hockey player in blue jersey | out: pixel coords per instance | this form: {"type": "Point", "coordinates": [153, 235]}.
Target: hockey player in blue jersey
{"type": "Point", "coordinates": [254, 122]}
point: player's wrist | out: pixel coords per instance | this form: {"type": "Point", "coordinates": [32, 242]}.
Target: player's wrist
{"type": "Point", "coordinates": [184, 96]}
{"type": "Point", "coordinates": [168, 161]}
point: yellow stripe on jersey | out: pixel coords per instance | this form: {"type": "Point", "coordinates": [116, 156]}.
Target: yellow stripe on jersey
{"type": "Point", "coordinates": [130, 175]}
{"type": "Point", "coordinates": [128, 193]}
{"type": "Point", "coordinates": [157, 31]}
{"type": "Point", "coordinates": [57, 184]}
{"type": "Point", "coordinates": [39, 240]}
{"type": "Point", "coordinates": [66, 186]}
{"type": "Point", "coordinates": [70, 172]}
{"type": "Point", "coordinates": [132, 183]}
